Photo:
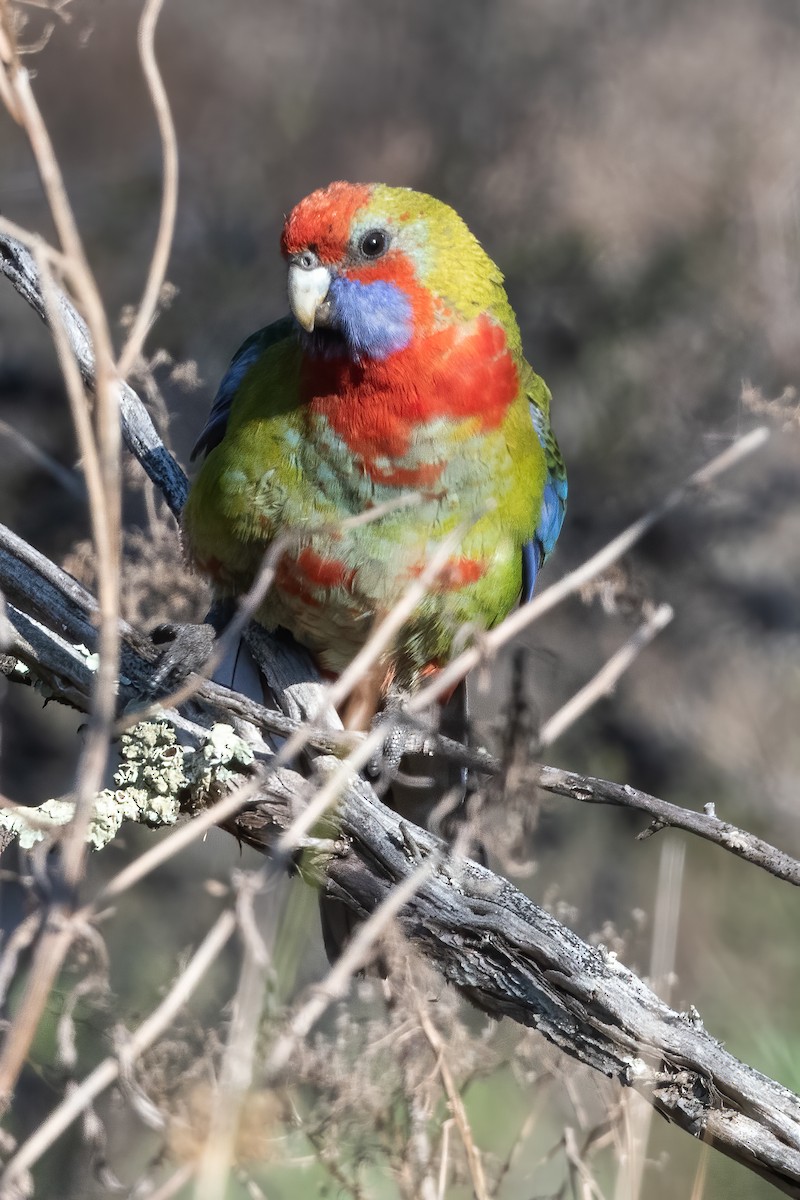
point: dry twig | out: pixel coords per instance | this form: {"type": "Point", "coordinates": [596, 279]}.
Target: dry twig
{"type": "Point", "coordinates": [589, 790]}
{"type": "Point", "coordinates": [169, 192]}
{"type": "Point", "coordinates": [456, 1103]}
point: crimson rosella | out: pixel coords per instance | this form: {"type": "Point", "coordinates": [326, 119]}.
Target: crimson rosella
{"type": "Point", "coordinates": [400, 371]}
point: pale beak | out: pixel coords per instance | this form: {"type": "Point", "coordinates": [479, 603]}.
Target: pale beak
{"type": "Point", "coordinates": [307, 292]}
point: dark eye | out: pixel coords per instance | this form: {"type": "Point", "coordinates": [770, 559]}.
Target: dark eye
{"type": "Point", "coordinates": [373, 244]}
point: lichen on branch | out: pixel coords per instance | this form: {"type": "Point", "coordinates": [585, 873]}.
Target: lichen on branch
{"type": "Point", "coordinates": [155, 781]}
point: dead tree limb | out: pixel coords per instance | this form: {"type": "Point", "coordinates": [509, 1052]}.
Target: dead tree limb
{"type": "Point", "coordinates": [707, 825]}
{"type": "Point", "coordinates": [504, 953]}
{"type": "Point", "coordinates": [41, 592]}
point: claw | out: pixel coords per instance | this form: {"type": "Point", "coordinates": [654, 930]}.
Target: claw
{"type": "Point", "coordinates": [187, 648]}
{"type": "Point", "coordinates": [383, 767]}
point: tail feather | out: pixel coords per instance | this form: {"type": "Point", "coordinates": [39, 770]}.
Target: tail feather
{"type": "Point", "coordinates": [431, 791]}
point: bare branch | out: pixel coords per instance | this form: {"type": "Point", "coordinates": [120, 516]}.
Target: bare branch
{"type": "Point", "coordinates": [138, 431]}
{"type": "Point", "coordinates": [738, 841]}
{"type": "Point", "coordinates": [456, 1103]}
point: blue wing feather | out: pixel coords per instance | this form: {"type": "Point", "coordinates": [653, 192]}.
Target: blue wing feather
{"type": "Point", "coordinates": [553, 505]}
{"type": "Point", "coordinates": [250, 350]}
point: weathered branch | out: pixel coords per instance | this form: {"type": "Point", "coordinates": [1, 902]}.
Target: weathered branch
{"type": "Point", "coordinates": [138, 431]}
{"type": "Point", "coordinates": [52, 614]}
{"type": "Point", "coordinates": [665, 815]}
{"type": "Point", "coordinates": [511, 958]}
{"type": "Point", "coordinates": [502, 951]}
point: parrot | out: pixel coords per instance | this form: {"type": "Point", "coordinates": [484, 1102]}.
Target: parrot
{"type": "Point", "coordinates": [390, 414]}
{"type": "Point", "coordinates": [390, 409]}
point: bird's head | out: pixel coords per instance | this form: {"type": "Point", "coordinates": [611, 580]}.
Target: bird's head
{"type": "Point", "coordinates": [371, 267]}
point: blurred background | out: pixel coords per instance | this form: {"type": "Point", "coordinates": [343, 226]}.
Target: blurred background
{"type": "Point", "coordinates": [632, 166]}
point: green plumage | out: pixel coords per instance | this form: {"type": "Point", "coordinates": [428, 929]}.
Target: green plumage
{"type": "Point", "coordinates": [448, 432]}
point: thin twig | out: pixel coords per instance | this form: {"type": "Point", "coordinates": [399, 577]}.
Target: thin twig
{"type": "Point", "coordinates": [491, 642]}
{"type": "Point", "coordinates": [67, 478]}
{"type": "Point", "coordinates": [169, 190]}
{"type": "Point", "coordinates": [17, 940]}
{"type": "Point", "coordinates": [436, 1044]}
{"type": "Point", "coordinates": [699, 1184]}
{"type": "Point", "coordinates": [11, 232]}
{"type": "Point", "coordinates": [105, 515]}
{"type": "Point", "coordinates": [580, 1175]}
{"type": "Point", "coordinates": [237, 1064]}
{"type": "Point", "coordinates": [386, 631]}
{"type": "Point", "coordinates": [444, 1161]}
{"type": "Point", "coordinates": [139, 432]}
{"type": "Point", "coordinates": [589, 790]}
{"type": "Point", "coordinates": [637, 1114]}
{"type": "Point", "coordinates": [606, 679]}
{"type": "Point", "coordinates": [174, 1184]}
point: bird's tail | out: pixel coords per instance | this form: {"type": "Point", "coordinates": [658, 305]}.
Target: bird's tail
{"type": "Point", "coordinates": [429, 791]}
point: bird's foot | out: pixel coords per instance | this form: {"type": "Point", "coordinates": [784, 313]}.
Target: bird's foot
{"type": "Point", "coordinates": [384, 765]}
{"type": "Point", "coordinates": [187, 646]}
{"type": "Point", "coordinates": [405, 738]}
{"type": "Point", "coordinates": [186, 649]}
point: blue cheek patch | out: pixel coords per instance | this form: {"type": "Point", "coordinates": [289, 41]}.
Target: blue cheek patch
{"type": "Point", "coordinates": [374, 318]}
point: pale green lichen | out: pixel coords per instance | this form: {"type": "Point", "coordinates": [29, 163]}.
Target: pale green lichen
{"type": "Point", "coordinates": [154, 771]}
{"type": "Point", "coordinates": [91, 657]}
{"type": "Point", "coordinates": [211, 764]}
{"type": "Point", "coordinates": [34, 825]}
